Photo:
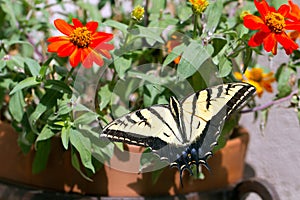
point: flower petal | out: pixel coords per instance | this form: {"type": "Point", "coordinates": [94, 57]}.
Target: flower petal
{"type": "Point", "coordinates": [100, 37]}
{"type": "Point", "coordinates": [288, 44]}
{"type": "Point", "coordinates": [77, 22]}
{"type": "Point", "coordinates": [257, 39]}
{"type": "Point", "coordinates": [262, 7]}
{"type": "Point", "coordinates": [284, 10]}
{"type": "Point", "coordinates": [253, 22]}
{"type": "Point", "coordinates": [96, 57]}
{"type": "Point", "coordinates": [86, 58]}
{"type": "Point", "coordinates": [103, 46]}
{"type": "Point", "coordinates": [292, 25]}
{"type": "Point", "coordinates": [54, 46]}
{"type": "Point", "coordinates": [58, 38]}
{"type": "Point", "coordinates": [105, 53]}
{"type": "Point", "coordinates": [66, 49]}
{"type": "Point", "coordinates": [92, 26]}
{"type": "Point", "coordinates": [294, 35]}
{"type": "Point", "coordinates": [75, 57]}
{"type": "Point", "coordinates": [259, 89]}
{"type": "Point", "coordinates": [295, 11]}
{"type": "Point", "coordinates": [269, 42]}
{"type": "Point", "coordinates": [63, 26]}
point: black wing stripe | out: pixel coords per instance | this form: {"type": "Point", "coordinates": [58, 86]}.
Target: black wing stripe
{"type": "Point", "coordinates": [208, 98]}
{"type": "Point", "coordinates": [154, 112]}
{"type": "Point", "coordinates": [195, 99]}
{"type": "Point", "coordinates": [128, 117]}
{"type": "Point", "coordinates": [131, 138]}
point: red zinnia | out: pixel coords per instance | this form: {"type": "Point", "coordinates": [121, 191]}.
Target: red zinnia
{"type": "Point", "coordinates": [81, 43]}
{"type": "Point", "coordinates": [295, 16]}
{"type": "Point", "coordinates": [271, 25]}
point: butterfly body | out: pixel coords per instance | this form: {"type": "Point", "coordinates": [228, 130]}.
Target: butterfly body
{"type": "Point", "coordinates": [182, 132]}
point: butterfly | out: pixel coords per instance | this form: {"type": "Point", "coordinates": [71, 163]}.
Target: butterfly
{"type": "Point", "coordinates": [183, 132]}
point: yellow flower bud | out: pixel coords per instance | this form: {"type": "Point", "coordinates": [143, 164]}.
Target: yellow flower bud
{"type": "Point", "coordinates": [138, 13]}
{"type": "Point", "coordinates": [244, 13]}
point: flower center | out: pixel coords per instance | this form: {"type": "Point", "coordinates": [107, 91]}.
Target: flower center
{"type": "Point", "coordinates": [81, 37]}
{"type": "Point", "coordinates": [275, 22]}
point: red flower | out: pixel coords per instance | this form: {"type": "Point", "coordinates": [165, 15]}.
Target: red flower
{"type": "Point", "coordinates": [294, 14]}
{"type": "Point", "coordinates": [271, 25]}
{"type": "Point", "coordinates": [81, 43]}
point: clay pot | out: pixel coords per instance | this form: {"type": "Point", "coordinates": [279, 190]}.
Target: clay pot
{"type": "Point", "coordinates": [227, 166]}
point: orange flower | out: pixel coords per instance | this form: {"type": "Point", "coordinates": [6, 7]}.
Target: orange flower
{"type": "Point", "coordinates": [271, 25]}
{"type": "Point", "coordinates": [294, 14]}
{"type": "Point", "coordinates": [81, 43]}
{"type": "Point", "coordinates": [199, 6]}
{"type": "Point", "coordinates": [171, 44]}
{"type": "Point", "coordinates": [256, 77]}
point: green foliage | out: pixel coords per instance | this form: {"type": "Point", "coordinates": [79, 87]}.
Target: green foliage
{"type": "Point", "coordinates": [48, 98]}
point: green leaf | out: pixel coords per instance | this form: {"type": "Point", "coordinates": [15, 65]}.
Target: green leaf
{"type": "Point", "coordinates": [43, 71]}
{"type": "Point", "coordinates": [76, 165]}
{"type": "Point", "coordinates": [122, 27]}
{"type": "Point", "coordinates": [225, 67]}
{"type": "Point", "coordinates": [16, 106]}
{"type": "Point", "coordinates": [65, 106]}
{"type": "Point", "coordinates": [33, 66]}
{"type": "Point", "coordinates": [28, 82]}
{"type": "Point", "coordinates": [177, 51]}
{"type": "Point", "coordinates": [105, 95]}
{"type": "Point", "coordinates": [47, 102]}
{"type": "Point", "coordinates": [120, 146]}
{"type": "Point", "coordinates": [157, 6]}
{"type": "Point", "coordinates": [45, 134]}
{"type": "Point", "coordinates": [65, 136]}
{"type": "Point", "coordinates": [2, 65]}
{"type": "Point", "coordinates": [218, 44]}
{"type": "Point", "coordinates": [122, 65]}
{"type": "Point", "coordinates": [83, 146]}
{"type": "Point", "coordinates": [151, 34]}
{"type": "Point", "coordinates": [86, 118]}
{"type": "Point", "coordinates": [184, 12]}
{"type": "Point", "coordinates": [7, 7]}
{"type": "Point", "coordinates": [41, 156]}
{"type": "Point", "coordinates": [283, 76]}
{"type": "Point", "coordinates": [192, 59]}
{"type": "Point", "coordinates": [58, 85]}
{"type": "Point", "coordinates": [213, 13]}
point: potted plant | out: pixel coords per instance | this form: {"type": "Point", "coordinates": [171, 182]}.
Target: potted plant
{"type": "Point", "coordinates": [58, 92]}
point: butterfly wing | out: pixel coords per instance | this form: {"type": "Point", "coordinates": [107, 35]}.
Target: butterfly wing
{"type": "Point", "coordinates": [152, 127]}
{"type": "Point", "coordinates": [204, 113]}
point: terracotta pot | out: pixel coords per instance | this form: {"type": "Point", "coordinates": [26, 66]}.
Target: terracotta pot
{"type": "Point", "coordinates": [227, 166]}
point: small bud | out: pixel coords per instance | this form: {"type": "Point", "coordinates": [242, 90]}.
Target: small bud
{"type": "Point", "coordinates": [199, 6]}
{"type": "Point", "coordinates": [244, 13]}
{"type": "Point", "coordinates": [138, 13]}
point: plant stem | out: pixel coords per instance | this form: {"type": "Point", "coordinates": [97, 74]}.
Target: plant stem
{"type": "Point", "coordinates": [195, 26]}
{"type": "Point", "coordinates": [127, 35]}
{"type": "Point", "coordinates": [271, 103]}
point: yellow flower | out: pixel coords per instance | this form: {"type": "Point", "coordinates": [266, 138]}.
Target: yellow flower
{"type": "Point", "coordinates": [199, 6]}
{"type": "Point", "coordinates": [256, 77]}
{"type": "Point", "coordinates": [138, 13]}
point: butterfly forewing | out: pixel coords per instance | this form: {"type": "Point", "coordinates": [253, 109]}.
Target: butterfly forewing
{"type": "Point", "coordinates": [145, 127]}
